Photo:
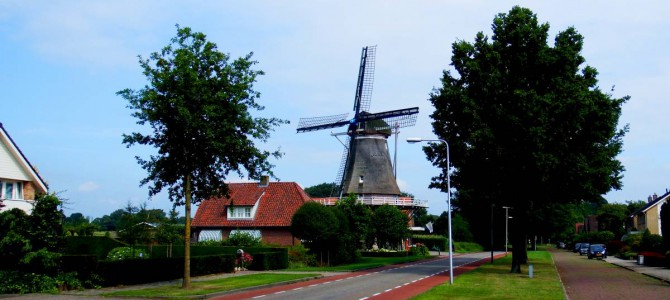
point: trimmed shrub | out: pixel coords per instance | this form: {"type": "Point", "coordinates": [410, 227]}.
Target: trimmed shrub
{"type": "Point", "coordinates": [653, 259]}
{"type": "Point", "coordinates": [136, 271]}
{"type": "Point", "coordinates": [419, 250]}
{"type": "Point", "coordinates": [17, 282]}
{"type": "Point", "coordinates": [467, 247]}
{"type": "Point", "coordinates": [242, 239]}
{"type": "Point", "coordinates": [384, 254]}
{"type": "Point", "coordinates": [212, 264]}
{"type": "Point", "coordinates": [127, 253]}
{"type": "Point", "coordinates": [614, 247]}
{"type": "Point", "coordinates": [433, 242]}
{"type": "Point", "coordinates": [299, 256]}
{"type": "Point", "coordinates": [269, 261]}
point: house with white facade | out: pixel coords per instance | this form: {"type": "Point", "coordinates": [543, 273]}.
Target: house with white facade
{"type": "Point", "coordinates": [19, 180]}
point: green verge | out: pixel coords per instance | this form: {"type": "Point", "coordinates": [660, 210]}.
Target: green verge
{"type": "Point", "coordinates": [211, 286]}
{"type": "Point", "coordinates": [496, 282]}
{"type": "Point", "coordinates": [363, 263]}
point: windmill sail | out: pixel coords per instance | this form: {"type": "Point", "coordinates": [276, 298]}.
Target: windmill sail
{"type": "Point", "coordinates": [366, 79]}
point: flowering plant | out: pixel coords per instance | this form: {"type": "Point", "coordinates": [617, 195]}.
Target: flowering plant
{"type": "Point", "coordinates": [244, 260]}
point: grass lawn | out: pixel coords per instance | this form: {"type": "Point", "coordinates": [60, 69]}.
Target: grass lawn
{"type": "Point", "coordinates": [362, 264]}
{"type": "Point", "coordinates": [496, 282]}
{"type": "Point", "coordinates": [211, 286]}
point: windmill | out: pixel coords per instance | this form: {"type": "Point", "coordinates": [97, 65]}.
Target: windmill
{"type": "Point", "coordinates": [366, 168]}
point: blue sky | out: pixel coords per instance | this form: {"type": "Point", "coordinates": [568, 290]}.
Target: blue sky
{"type": "Point", "coordinates": [63, 61]}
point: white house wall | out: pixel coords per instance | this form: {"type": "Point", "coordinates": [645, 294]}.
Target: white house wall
{"type": "Point", "coordinates": [10, 168]}
{"type": "Point", "coordinates": [25, 205]}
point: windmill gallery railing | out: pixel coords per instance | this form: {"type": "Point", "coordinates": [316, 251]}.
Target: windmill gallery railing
{"type": "Point", "coordinates": [378, 200]}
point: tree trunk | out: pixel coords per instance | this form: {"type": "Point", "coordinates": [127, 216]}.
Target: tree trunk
{"type": "Point", "coordinates": [187, 234]}
{"type": "Point", "coordinates": [519, 245]}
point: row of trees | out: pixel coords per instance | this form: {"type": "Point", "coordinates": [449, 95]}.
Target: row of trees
{"type": "Point", "coordinates": [338, 232]}
{"type": "Point", "coordinates": [133, 224]}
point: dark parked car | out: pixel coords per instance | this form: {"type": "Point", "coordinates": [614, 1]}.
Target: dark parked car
{"type": "Point", "coordinates": [597, 251]}
{"type": "Point", "coordinates": [576, 248]}
{"type": "Point", "coordinates": [584, 248]}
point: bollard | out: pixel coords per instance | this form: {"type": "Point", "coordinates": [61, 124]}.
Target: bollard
{"type": "Point", "coordinates": [530, 271]}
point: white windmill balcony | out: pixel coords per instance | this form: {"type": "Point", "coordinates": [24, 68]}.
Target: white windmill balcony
{"type": "Point", "coordinates": [378, 200]}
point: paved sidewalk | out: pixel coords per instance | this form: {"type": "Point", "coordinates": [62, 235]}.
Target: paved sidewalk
{"type": "Point", "coordinates": [655, 272]}
{"type": "Point", "coordinates": [596, 279]}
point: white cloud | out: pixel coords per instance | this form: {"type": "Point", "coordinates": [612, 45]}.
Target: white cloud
{"type": "Point", "coordinates": [88, 186]}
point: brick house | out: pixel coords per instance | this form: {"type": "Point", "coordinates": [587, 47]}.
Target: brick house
{"type": "Point", "coordinates": [263, 209]}
{"type": "Point", "coordinates": [649, 216]}
{"type": "Point", "coordinates": [19, 180]}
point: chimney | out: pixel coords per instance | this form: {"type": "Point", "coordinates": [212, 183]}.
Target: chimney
{"type": "Point", "coordinates": [265, 181]}
{"type": "Point", "coordinates": [655, 196]}
{"type": "Point", "coordinates": [649, 199]}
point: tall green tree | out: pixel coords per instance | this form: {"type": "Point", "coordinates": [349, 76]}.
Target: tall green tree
{"type": "Point", "coordinates": [390, 225]}
{"type": "Point", "coordinates": [612, 217]}
{"type": "Point", "coordinates": [321, 190]}
{"type": "Point", "coordinates": [197, 103]}
{"type": "Point", "coordinates": [359, 219]}
{"type": "Point", "coordinates": [527, 124]}
{"type": "Point", "coordinates": [316, 225]}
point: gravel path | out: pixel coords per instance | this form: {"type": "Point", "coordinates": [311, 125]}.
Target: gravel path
{"type": "Point", "coordinates": [596, 279]}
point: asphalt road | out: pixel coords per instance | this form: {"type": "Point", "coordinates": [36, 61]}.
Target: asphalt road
{"type": "Point", "coordinates": [596, 279]}
{"type": "Point", "coordinates": [364, 284]}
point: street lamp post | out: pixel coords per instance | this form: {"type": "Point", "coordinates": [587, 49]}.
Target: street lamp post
{"type": "Point", "coordinates": [507, 217]}
{"type": "Point", "coordinates": [451, 254]}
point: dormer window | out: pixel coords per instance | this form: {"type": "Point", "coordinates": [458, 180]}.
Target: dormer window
{"type": "Point", "coordinates": [239, 212]}
{"type": "Point", "coordinates": [11, 190]}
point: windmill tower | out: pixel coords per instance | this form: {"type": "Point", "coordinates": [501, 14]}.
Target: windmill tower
{"type": "Point", "coordinates": [366, 168]}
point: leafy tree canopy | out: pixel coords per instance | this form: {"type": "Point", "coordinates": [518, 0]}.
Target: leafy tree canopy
{"type": "Point", "coordinates": [526, 122]}
{"type": "Point", "coordinates": [320, 190]}
{"type": "Point", "coordinates": [390, 225]}
{"type": "Point", "coordinates": [198, 105]}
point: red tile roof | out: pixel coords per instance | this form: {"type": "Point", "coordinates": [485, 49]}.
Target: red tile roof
{"type": "Point", "coordinates": [278, 202]}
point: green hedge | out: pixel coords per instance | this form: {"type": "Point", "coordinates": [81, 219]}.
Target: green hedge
{"type": "Point", "coordinates": [383, 254]}
{"type": "Point", "coordinates": [91, 245]}
{"type": "Point", "coordinates": [431, 241]}
{"type": "Point", "coordinates": [269, 261]}
{"type": "Point", "coordinates": [159, 251]}
{"type": "Point", "coordinates": [137, 271]}
{"type": "Point", "coordinates": [204, 261]}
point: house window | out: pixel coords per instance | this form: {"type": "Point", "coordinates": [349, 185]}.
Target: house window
{"type": "Point", "coordinates": [239, 212]}
{"type": "Point", "coordinates": [11, 190]}
{"type": "Point", "coordinates": [209, 235]}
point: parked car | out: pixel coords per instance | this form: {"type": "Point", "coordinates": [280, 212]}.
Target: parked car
{"type": "Point", "coordinates": [584, 248]}
{"type": "Point", "coordinates": [576, 248]}
{"type": "Point", "coordinates": [597, 251]}
{"type": "Point", "coordinates": [560, 245]}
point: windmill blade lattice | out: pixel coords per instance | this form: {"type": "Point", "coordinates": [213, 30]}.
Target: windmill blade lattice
{"type": "Point", "coordinates": [391, 119]}
{"type": "Point", "coordinates": [366, 79]}
{"type": "Point", "coordinates": [342, 169]}
{"type": "Point", "coordinates": [317, 123]}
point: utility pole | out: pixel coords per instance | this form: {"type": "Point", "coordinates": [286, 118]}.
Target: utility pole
{"type": "Point", "coordinates": [507, 217]}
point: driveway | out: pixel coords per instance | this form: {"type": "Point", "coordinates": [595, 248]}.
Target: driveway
{"type": "Point", "coordinates": [585, 278]}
